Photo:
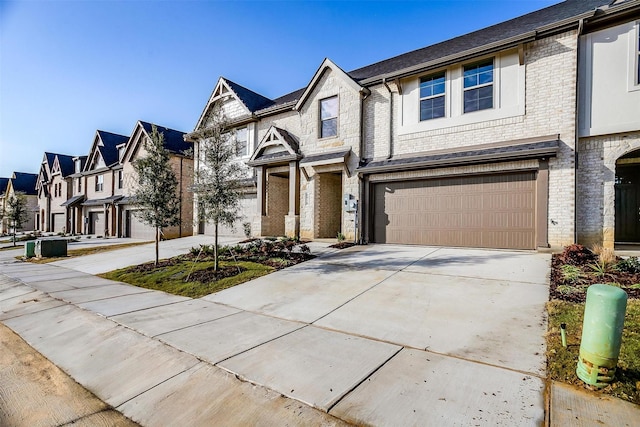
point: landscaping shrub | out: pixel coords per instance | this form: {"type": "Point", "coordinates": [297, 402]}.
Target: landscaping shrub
{"type": "Point", "coordinates": [629, 265]}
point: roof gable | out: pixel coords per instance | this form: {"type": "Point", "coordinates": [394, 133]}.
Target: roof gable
{"type": "Point", "coordinates": [249, 100]}
{"type": "Point", "coordinates": [327, 64]}
{"type": "Point", "coordinates": [24, 183]}
{"type": "Point", "coordinates": [104, 151]}
{"type": "Point", "coordinates": [173, 140]}
{"type": "Point", "coordinates": [4, 183]}
{"type": "Point", "coordinates": [277, 145]}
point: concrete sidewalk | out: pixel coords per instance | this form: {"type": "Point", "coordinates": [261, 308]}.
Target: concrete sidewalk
{"type": "Point", "coordinates": [378, 335]}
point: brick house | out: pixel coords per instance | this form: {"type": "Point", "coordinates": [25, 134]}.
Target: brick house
{"type": "Point", "coordinates": [182, 165]}
{"type": "Point", "coordinates": [470, 142]}
{"type": "Point", "coordinates": [54, 188]}
{"type": "Point", "coordinates": [25, 183]}
{"type": "Point", "coordinates": [608, 181]}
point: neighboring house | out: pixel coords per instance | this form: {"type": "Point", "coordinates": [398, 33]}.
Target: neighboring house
{"type": "Point", "coordinates": [608, 207]}
{"type": "Point", "coordinates": [99, 178]}
{"type": "Point", "coordinates": [4, 184]}
{"type": "Point", "coordinates": [54, 189]}
{"type": "Point", "coordinates": [470, 142]}
{"type": "Point", "coordinates": [77, 191]}
{"type": "Point", "coordinates": [25, 183]}
{"type": "Point", "coordinates": [129, 224]}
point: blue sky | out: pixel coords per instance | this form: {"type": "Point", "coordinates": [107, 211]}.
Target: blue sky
{"type": "Point", "coordinates": [68, 68]}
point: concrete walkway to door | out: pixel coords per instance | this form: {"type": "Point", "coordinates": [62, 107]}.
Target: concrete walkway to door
{"type": "Point", "coordinates": [378, 335]}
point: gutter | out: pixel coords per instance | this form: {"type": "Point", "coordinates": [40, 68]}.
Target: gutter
{"type": "Point", "coordinates": [364, 94]}
{"type": "Point", "coordinates": [390, 152]}
{"type": "Point", "coordinates": [576, 131]}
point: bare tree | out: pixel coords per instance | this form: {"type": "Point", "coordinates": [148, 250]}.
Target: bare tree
{"type": "Point", "coordinates": [156, 192]}
{"type": "Point", "coordinates": [217, 180]}
{"type": "Point", "coordinates": [16, 212]}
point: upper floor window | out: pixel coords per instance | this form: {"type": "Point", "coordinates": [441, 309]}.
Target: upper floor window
{"type": "Point", "coordinates": [329, 117]}
{"type": "Point", "coordinates": [99, 182]}
{"type": "Point", "coordinates": [80, 185]}
{"type": "Point", "coordinates": [432, 96]}
{"type": "Point", "coordinates": [478, 86]}
{"type": "Point", "coordinates": [55, 190]}
{"type": "Point", "coordinates": [638, 56]}
{"type": "Point", "coordinates": [242, 148]}
{"type": "Point", "coordinates": [120, 179]}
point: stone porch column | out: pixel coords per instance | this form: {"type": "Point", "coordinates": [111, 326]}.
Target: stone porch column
{"type": "Point", "coordinates": [292, 220]}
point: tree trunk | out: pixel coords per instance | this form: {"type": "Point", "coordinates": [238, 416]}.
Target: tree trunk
{"type": "Point", "coordinates": [157, 244]}
{"type": "Point", "coordinates": [215, 246]}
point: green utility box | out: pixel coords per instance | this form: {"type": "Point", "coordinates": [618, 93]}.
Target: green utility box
{"type": "Point", "coordinates": [51, 248]}
{"type": "Point", "coordinates": [604, 314]}
{"type": "Point", "coordinates": [30, 249]}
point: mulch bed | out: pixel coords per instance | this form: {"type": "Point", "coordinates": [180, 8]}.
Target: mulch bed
{"type": "Point", "coordinates": [209, 275]}
{"type": "Point", "coordinates": [621, 278]}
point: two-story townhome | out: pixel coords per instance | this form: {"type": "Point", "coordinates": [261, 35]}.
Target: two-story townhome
{"type": "Point", "coordinates": [608, 151]}
{"type": "Point", "coordinates": [54, 189]}
{"type": "Point", "coordinates": [4, 184]}
{"type": "Point", "coordinates": [99, 181]}
{"type": "Point", "coordinates": [73, 204]}
{"type": "Point", "coordinates": [129, 225]}
{"type": "Point", "coordinates": [24, 183]}
{"type": "Point", "coordinates": [470, 142]}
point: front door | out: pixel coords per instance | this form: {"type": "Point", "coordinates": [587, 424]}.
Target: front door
{"type": "Point", "coordinates": [627, 204]}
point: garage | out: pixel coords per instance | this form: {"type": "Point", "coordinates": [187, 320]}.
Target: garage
{"type": "Point", "coordinates": [58, 222]}
{"type": "Point", "coordinates": [136, 229]}
{"type": "Point", "coordinates": [484, 211]}
{"type": "Point", "coordinates": [97, 223]}
{"type": "Point", "coordinates": [248, 207]}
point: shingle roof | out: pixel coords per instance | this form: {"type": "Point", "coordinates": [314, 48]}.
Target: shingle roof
{"type": "Point", "coordinates": [254, 101]}
{"type": "Point", "coordinates": [4, 183]}
{"type": "Point", "coordinates": [173, 139]}
{"type": "Point", "coordinates": [49, 157]}
{"type": "Point", "coordinates": [24, 182]}
{"type": "Point", "coordinates": [495, 33]}
{"type": "Point", "coordinates": [66, 164]}
{"type": "Point", "coordinates": [109, 151]}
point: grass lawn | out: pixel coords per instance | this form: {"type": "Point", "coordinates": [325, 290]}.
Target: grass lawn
{"type": "Point", "coordinates": [171, 278]}
{"type": "Point", "coordinates": [85, 251]}
{"type": "Point", "coordinates": [562, 361]}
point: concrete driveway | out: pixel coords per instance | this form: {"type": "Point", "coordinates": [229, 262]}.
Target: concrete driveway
{"type": "Point", "coordinates": [378, 335]}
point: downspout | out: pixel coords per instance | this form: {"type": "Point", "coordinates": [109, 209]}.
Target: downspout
{"type": "Point", "coordinates": [390, 152]}
{"type": "Point", "coordinates": [577, 133]}
{"type": "Point", "coordinates": [364, 94]}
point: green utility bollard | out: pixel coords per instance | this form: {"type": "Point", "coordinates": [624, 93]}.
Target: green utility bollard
{"type": "Point", "coordinates": [30, 249]}
{"type": "Point", "coordinates": [601, 334]}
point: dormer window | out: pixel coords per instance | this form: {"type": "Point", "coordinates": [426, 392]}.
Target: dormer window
{"type": "Point", "coordinates": [478, 86]}
{"type": "Point", "coordinates": [329, 117]}
{"type": "Point", "coordinates": [432, 96]}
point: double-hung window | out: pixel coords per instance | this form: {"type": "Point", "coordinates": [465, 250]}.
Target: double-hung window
{"type": "Point", "coordinates": [432, 96]}
{"type": "Point", "coordinates": [80, 185]}
{"type": "Point", "coordinates": [329, 117]}
{"type": "Point", "coordinates": [242, 148]}
{"type": "Point", "coordinates": [120, 179]}
{"type": "Point", "coordinates": [99, 182]}
{"type": "Point", "coordinates": [478, 86]}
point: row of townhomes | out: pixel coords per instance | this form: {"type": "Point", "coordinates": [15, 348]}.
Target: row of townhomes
{"type": "Point", "coordinates": [523, 135]}
{"type": "Point", "coordinates": [24, 183]}
{"type": "Point", "coordinates": [92, 194]}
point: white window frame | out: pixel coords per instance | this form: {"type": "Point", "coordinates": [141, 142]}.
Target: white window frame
{"type": "Point", "coordinates": [321, 120]}
{"type": "Point", "coordinates": [480, 85]}
{"type": "Point", "coordinates": [244, 153]}
{"type": "Point", "coordinates": [442, 95]}
{"type": "Point", "coordinates": [99, 183]}
{"type": "Point", "coordinates": [120, 179]}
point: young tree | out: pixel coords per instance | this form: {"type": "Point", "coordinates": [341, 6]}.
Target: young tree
{"type": "Point", "coordinates": [156, 192]}
{"type": "Point", "coordinates": [16, 212]}
{"type": "Point", "coordinates": [217, 180]}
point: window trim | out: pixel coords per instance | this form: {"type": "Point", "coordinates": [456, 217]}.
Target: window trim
{"type": "Point", "coordinates": [99, 183]}
{"type": "Point", "coordinates": [443, 95]}
{"type": "Point", "coordinates": [120, 179]}
{"type": "Point", "coordinates": [479, 86]}
{"type": "Point", "coordinates": [246, 147]}
{"type": "Point", "coordinates": [321, 120]}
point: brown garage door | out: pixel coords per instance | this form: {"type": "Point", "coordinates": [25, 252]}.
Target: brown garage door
{"type": "Point", "coordinates": [488, 211]}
